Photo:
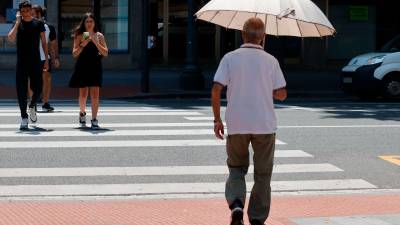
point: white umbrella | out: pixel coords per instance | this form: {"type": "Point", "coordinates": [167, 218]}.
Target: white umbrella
{"type": "Point", "coordinates": [299, 18]}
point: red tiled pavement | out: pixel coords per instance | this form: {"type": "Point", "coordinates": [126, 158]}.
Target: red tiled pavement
{"type": "Point", "coordinates": [187, 212]}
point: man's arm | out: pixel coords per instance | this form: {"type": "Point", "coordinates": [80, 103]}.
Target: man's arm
{"type": "Point", "coordinates": [12, 35]}
{"type": "Point", "coordinates": [54, 53]}
{"type": "Point", "coordinates": [53, 47]}
{"type": "Point", "coordinates": [280, 94]}
{"type": "Point", "coordinates": [216, 105]}
{"type": "Point", "coordinates": [45, 50]}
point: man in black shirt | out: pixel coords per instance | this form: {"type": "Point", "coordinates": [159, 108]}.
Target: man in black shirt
{"type": "Point", "coordinates": [28, 32]}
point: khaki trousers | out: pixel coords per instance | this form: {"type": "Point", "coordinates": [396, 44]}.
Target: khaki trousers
{"type": "Point", "coordinates": [238, 163]}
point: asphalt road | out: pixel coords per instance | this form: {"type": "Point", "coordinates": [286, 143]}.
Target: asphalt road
{"type": "Point", "coordinates": [165, 147]}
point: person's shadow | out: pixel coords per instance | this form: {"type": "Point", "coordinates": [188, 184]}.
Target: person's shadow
{"type": "Point", "coordinates": [93, 131]}
{"type": "Point", "coordinates": [35, 130]}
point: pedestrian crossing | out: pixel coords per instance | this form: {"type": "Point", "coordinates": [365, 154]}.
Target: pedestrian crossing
{"type": "Point", "coordinates": [165, 132]}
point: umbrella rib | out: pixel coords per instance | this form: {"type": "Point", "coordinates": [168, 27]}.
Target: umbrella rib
{"type": "Point", "coordinates": [318, 30]}
{"type": "Point", "coordinates": [298, 25]}
{"type": "Point", "coordinates": [233, 17]}
{"type": "Point", "coordinates": [216, 13]}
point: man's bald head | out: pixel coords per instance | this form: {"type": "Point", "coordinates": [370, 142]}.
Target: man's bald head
{"type": "Point", "coordinates": [253, 31]}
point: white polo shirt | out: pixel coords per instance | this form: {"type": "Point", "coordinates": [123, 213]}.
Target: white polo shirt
{"type": "Point", "coordinates": [50, 34]}
{"type": "Point", "coordinates": [251, 75]}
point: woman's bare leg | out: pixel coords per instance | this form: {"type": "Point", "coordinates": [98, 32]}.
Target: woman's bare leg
{"type": "Point", "coordinates": [95, 98]}
{"type": "Point", "coordinates": [83, 94]}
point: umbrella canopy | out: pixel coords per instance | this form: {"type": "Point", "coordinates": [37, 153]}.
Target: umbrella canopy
{"type": "Point", "coordinates": [299, 18]}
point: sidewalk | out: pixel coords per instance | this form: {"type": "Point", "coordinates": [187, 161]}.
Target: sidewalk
{"type": "Point", "coordinates": [165, 83]}
{"type": "Point", "coordinates": [301, 210]}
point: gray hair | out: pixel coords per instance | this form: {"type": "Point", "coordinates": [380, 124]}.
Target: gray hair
{"type": "Point", "coordinates": [254, 30]}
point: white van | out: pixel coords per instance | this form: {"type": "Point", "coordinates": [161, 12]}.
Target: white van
{"type": "Point", "coordinates": [376, 73]}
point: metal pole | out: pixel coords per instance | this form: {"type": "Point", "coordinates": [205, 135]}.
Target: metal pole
{"type": "Point", "coordinates": [145, 78]}
{"type": "Point", "coordinates": [191, 78]}
{"type": "Point", "coordinates": [191, 50]}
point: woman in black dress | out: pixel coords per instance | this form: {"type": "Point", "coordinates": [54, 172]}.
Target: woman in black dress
{"type": "Point", "coordinates": [89, 47]}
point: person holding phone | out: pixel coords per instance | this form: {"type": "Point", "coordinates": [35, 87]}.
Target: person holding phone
{"type": "Point", "coordinates": [28, 32]}
{"type": "Point", "coordinates": [89, 48]}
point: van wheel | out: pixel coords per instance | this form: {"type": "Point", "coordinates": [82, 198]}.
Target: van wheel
{"type": "Point", "coordinates": [391, 88]}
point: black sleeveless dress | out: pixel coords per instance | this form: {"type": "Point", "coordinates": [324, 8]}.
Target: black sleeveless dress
{"type": "Point", "coordinates": [88, 68]}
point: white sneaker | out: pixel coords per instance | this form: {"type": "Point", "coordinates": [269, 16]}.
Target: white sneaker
{"type": "Point", "coordinates": [95, 124]}
{"type": "Point", "coordinates": [24, 124]}
{"type": "Point", "coordinates": [32, 114]}
{"type": "Point", "coordinates": [82, 119]}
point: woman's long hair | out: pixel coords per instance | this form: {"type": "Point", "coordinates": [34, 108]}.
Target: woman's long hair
{"type": "Point", "coordinates": [80, 29]}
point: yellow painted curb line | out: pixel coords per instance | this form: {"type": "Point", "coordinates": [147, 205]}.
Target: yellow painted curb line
{"type": "Point", "coordinates": [395, 159]}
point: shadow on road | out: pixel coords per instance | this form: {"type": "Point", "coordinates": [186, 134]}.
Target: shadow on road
{"type": "Point", "coordinates": [35, 131]}
{"type": "Point", "coordinates": [329, 109]}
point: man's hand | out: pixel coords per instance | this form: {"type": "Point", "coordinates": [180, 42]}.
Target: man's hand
{"type": "Point", "coordinates": [18, 18]}
{"type": "Point", "coordinates": [280, 94]}
{"type": "Point", "coordinates": [219, 129]}
{"type": "Point", "coordinates": [56, 63]}
{"type": "Point", "coordinates": [46, 66]}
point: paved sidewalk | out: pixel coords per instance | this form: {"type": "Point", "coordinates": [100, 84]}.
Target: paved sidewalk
{"type": "Point", "coordinates": [300, 210]}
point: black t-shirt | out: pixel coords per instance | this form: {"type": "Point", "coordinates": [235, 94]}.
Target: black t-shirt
{"type": "Point", "coordinates": [28, 39]}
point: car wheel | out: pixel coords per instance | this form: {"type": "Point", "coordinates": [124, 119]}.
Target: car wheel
{"type": "Point", "coordinates": [391, 88]}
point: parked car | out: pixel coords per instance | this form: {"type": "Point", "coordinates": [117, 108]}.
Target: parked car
{"type": "Point", "coordinates": [375, 74]}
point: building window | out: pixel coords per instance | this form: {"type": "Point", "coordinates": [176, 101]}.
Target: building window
{"type": "Point", "coordinates": [72, 12]}
{"type": "Point", "coordinates": [7, 17]}
{"type": "Point", "coordinates": [113, 20]}
{"type": "Point", "coordinates": [114, 23]}
{"type": "Point", "coordinates": [8, 10]}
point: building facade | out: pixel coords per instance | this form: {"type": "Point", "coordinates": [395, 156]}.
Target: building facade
{"type": "Point", "coordinates": [362, 25]}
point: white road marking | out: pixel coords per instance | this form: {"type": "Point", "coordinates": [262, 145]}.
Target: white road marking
{"type": "Point", "coordinates": [115, 109]}
{"type": "Point", "coordinates": [113, 144]}
{"type": "Point", "coordinates": [171, 188]}
{"type": "Point", "coordinates": [155, 171]}
{"type": "Point", "coordinates": [108, 133]}
{"type": "Point", "coordinates": [194, 124]}
{"type": "Point", "coordinates": [165, 113]}
{"type": "Point", "coordinates": [292, 154]}
{"type": "Point", "coordinates": [207, 118]}
{"type": "Point", "coordinates": [343, 126]}
{"type": "Point", "coordinates": [113, 125]}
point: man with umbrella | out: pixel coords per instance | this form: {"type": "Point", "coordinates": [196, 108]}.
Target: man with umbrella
{"type": "Point", "coordinates": [254, 79]}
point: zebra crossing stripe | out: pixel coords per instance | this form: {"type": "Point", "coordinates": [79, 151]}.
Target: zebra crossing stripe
{"type": "Point", "coordinates": [155, 171]}
{"type": "Point", "coordinates": [194, 124]}
{"type": "Point", "coordinates": [157, 113]}
{"type": "Point", "coordinates": [109, 133]}
{"type": "Point", "coordinates": [172, 188]}
{"type": "Point", "coordinates": [95, 133]}
{"type": "Point", "coordinates": [200, 118]}
{"type": "Point", "coordinates": [112, 125]}
{"type": "Point", "coordinates": [112, 143]}
{"type": "Point", "coordinates": [107, 144]}
{"type": "Point", "coordinates": [103, 109]}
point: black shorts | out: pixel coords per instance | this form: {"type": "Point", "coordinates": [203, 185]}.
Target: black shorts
{"type": "Point", "coordinates": [49, 70]}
